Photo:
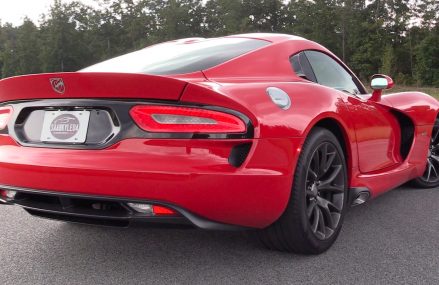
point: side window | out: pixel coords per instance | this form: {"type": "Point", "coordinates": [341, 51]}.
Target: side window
{"type": "Point", "coordinates": [301, 67]}
{"type": "Point", "coordinates": [330, 73]}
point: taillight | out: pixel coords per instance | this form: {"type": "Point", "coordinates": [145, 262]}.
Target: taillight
{"type": "Point", "coordinates": [172, 119]}
{"type": "Point", "coordinates": [5, 115]}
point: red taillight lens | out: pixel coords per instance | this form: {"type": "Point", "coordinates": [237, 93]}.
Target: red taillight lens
{"type": "Point", "coordinates": [185, 120]}
{"type": "Point", "coordinates": [5, 115]}
{"type": "Point", "coordinates": [163, 211]}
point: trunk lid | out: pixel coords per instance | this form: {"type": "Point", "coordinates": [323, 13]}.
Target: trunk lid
{"type": "Point", "coordinates": [91, 85]}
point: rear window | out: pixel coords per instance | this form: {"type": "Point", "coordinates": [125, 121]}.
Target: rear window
{"type": "Point", "coordinates": [179, 57]}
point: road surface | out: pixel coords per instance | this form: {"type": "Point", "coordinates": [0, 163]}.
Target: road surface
{"type": "Point", "coordinates": [392, 240]}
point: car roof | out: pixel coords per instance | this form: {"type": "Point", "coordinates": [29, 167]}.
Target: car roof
{"type": "Point", "coordinates": [271, 37]}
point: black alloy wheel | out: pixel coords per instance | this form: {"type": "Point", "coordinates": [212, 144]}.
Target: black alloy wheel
{"type": "Point", "coordinates": [430, 178]}
{"type": "Point", "coordinates": [324, 190]}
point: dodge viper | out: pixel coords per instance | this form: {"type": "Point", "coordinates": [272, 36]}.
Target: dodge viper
{"type": "Point", "coordinates": [264, 132]}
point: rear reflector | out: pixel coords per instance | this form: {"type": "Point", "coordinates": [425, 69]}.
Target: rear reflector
{"type": "Point", "coordinates": [5, 114]}
{"type": "Point", "coordinates": [152, 210]}
{"type": "Point", "coordinates": [163, 211]}
{"type": "Point", "coordinates": [8, 194]}
{"type": "Point", "coordinates": [171, 119]}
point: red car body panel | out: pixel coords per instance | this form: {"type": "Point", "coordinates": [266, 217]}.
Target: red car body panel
{"type": "Point", "coordinates": [198, 178]}
{"type": "Point", "coordinates": [195, 174]}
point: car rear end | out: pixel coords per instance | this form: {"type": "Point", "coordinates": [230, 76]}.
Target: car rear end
{"type": "Point", "coordinates": [110, 148]}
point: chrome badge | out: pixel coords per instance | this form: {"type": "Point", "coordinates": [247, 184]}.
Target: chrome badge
{"type": "Point", "coordinates": [58, 85]}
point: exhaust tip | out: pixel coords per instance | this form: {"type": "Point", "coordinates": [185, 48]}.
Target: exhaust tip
{"type": "Point", "coordinates": [361, 199]}
{"type": "Point", "coordinates": [359, 196]}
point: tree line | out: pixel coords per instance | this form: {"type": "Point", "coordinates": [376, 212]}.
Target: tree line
{"type": "Point", "coordinates": [395, 37]}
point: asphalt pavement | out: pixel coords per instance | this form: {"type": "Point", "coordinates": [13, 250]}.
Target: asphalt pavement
{"type": "Point", "coordinates": [394, 239]}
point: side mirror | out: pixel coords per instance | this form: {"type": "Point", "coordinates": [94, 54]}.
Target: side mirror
{"type": "Point", "coordinates": [379, 83]}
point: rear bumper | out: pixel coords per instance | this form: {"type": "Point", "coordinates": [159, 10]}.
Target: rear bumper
{"type": "Point", "coordinates": [112, 211]}
{"type": "Point", "coordinates": [195, 177]}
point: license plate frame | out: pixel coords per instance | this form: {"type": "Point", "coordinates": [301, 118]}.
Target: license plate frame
{"type": "Point", "coordinates": [65, 126]}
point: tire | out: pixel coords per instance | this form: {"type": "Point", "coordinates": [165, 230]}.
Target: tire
{"type": "Point", "coordinates": [430, 178]}
{"type": "Point", "coordinates": [316, 194]}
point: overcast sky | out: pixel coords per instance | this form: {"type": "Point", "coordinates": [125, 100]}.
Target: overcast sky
{"type": "Point", "coordinates": [14, 11]}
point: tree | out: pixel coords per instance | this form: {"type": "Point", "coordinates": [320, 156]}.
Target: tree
{"type": "Point", "coordinates": [27, 46]}
{"type": "Point", "coordinates": [398, 37]}
{"type": "Point", "coordinates": [63, 48]}
{"type": "Point", "coordinates": [388, 65]}
{"type": "Point", "coordinates": [263, 15]}
{"type": "Point", "coordinates": [180, 19]}
{"type": "Point", "coordinates": [316, 20]}
{"type": "Point", "coordinates": [427, 67]}
{"type": "Point", "coordinates": [8, 56]}
{"type": "Point", "coordinates": [223, 17]}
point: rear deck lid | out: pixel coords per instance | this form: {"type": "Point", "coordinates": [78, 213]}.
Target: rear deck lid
{"type": "Point", "coordinates": [90, 85]}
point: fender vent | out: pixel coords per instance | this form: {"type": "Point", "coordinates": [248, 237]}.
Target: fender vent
{"type": "Point", "coordinates": [407, 133]}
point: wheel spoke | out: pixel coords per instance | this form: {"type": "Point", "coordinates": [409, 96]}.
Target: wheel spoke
{"type": "Point", "coordinates": [322, 226]}
{"type": "Point", "coordinates": [325, 203]}
{"type": "Point", "coordinates": [434, 169]}
{"type": "Point", "coordinates": [435, 157]}
{"type": "Point", "coordinates": [326, 213]}
{"type": "Point", "coordinates": [310, 208]}
{"type": "Point", "coordinates": [323, 159]}
{"type": "Point", "coordinates": [315, 222]}
{"type": "Point", "coordinates": [435, 135]}
{"type": "Point", "coordinates": [429, 170]}
{"type": "Point", "coordinates": [330, 156]}
{"type": "Point", "coordinates": [325, 183]}
{"type": "Point", "coordinates": [330, 188]}
{"type": "Point", "coordinates": [313, 173]}
{"type": "Point", "coordinates": [316, 161]}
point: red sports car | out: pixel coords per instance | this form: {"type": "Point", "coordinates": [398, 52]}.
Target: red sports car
{"type": "Point", "coordinates": [267, 132]}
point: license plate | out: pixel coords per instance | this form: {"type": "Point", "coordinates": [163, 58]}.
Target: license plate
{"type": "Point", "coordinates": [65, 126]}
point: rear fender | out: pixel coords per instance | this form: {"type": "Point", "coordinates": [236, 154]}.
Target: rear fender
{"type": "Point", "coordinates": [310, 104]}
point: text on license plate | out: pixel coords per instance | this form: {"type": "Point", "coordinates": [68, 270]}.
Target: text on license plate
{"type": "Point", "coordinates": [65, 126]}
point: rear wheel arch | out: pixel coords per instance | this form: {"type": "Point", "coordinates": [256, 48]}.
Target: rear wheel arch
{"type": "Point", "coordinates": [337, 129]}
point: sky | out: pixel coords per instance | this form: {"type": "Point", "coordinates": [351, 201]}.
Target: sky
{"type": "Point", "coordinates": [14, 11]}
